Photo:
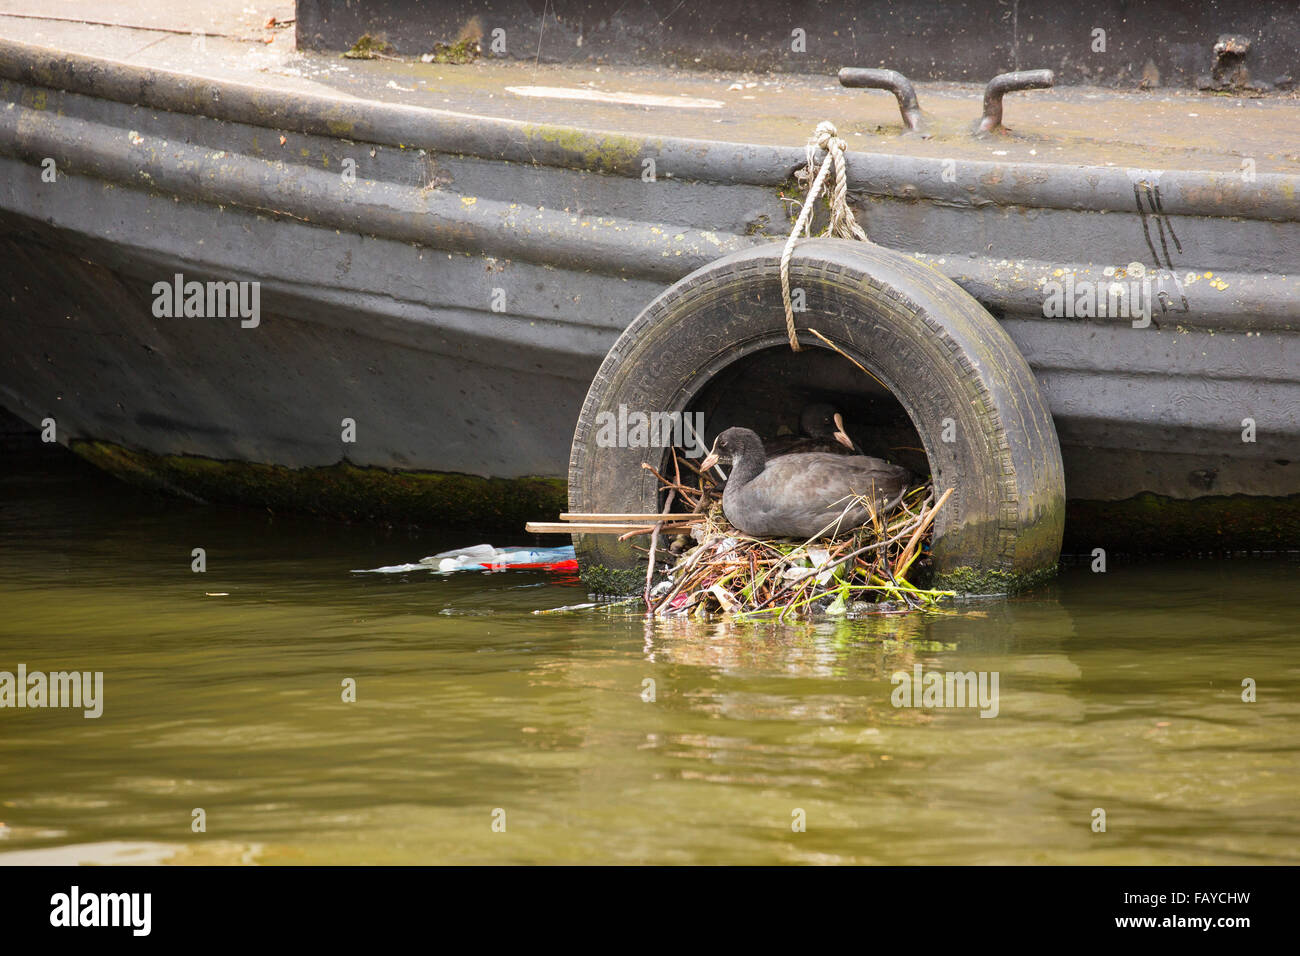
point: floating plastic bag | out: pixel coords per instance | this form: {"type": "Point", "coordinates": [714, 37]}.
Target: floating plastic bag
{"type": "Point", "coordinates": [486, 556]}
{"type": "Point", "coordinates": [481, 557]}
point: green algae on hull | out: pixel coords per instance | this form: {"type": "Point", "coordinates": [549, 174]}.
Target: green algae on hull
{"type": "Point", "coordinates": [1144, 524]}
{"type": "Point", "coordinates": [596, 152]}
{"type": "Point", "coordinates": [612, 582]}
{"type": "Point", "coordinates": [969, 580]}
{"type": "Point", "coordinates": [343, 490]}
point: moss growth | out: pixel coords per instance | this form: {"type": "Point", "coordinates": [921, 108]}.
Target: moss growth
{"type": "Point", "coordinates": [343, 490]}
{"type": "Point", "coordinates": [791, 189]}
{"type": "Point", "coordinates": [606, 152]}
{"type": "Point", "coordinates": [968, 580]}
{"type": "Point", "coordinates": [465, 50]}
{"type": "Point", "coordinates": [612, 582]}
{"type": "Point", "coordinates": [368, 47]}
{"type": "Point", "coordinates": [1150, 523]}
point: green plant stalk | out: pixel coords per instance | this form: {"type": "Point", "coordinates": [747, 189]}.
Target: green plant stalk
{"type": "Point", "coordinates": [887, 587]}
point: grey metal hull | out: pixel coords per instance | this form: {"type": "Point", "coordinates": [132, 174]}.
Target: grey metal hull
{"type": "Point", "coordinates": [380, 296]}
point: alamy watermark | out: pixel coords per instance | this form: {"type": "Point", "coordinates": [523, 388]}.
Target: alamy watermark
{"type": "Point", "coordinates": [208, 300]}
{"type": "Point", "coordinates": [1073, 298]}
{"type": "Point", "coordinates": [934, 689]}
{"type": "Point", "coordinates": [75, 908]}
{"type": "Point", "coordinates": [75, 689]}
{"type": "Point", "coordinates": [651, 430]}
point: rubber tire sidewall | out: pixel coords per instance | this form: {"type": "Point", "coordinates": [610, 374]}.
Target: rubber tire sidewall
{"type": "Point", "coordinates": [945, 358]}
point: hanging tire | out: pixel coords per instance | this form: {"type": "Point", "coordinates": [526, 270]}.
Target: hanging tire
{"type": "Point", "coordinates": [968, 391]}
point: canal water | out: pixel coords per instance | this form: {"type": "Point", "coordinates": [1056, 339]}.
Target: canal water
{"type": "Point", "coordinates": [482, 732]}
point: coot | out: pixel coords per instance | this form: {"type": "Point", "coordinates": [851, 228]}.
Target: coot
{"type": "Point", "coordinates": [799, 495]}
{"type": "Point", "coordinates": [821, 428]}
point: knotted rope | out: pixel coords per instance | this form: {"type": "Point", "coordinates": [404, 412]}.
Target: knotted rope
{"type": "Point", "coordinates": [842, 224]}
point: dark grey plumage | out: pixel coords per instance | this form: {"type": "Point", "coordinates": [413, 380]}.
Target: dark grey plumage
{"type": "Point", "coordinates": [799, 495]}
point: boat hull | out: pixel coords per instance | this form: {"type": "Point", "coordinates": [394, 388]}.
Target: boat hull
{"type": "Point", "coordinates": [453, 299]}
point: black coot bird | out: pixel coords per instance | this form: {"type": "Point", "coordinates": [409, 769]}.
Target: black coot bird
{"type": "Point", "coordinates": [821, 428]}
{"type": "Point", "coordinates": [798, 496]}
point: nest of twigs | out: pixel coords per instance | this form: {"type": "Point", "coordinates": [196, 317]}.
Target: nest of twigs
{"type": "Point", "coordinates": [719, 570]}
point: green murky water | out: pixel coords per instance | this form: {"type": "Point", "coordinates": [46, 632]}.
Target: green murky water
{"type": "Point", "coordinates": [1120, 691]}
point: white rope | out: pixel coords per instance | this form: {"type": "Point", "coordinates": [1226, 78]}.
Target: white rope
{"type": "Point", "coordinates": [842, 224]}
